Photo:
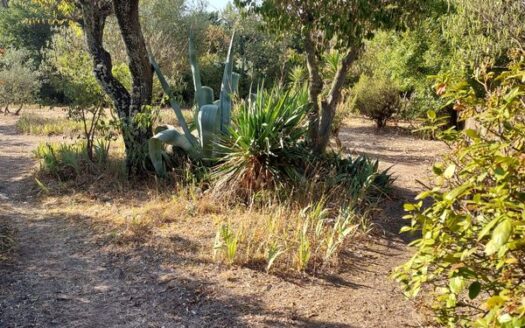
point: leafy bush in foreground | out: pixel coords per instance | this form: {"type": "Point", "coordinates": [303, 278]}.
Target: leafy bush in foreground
{"type": "Point", "coordinates": [472, 251]}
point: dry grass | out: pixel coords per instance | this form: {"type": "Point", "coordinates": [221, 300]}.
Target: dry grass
{"type": "Point", "coordinates": [35, 124]}
{"type": "Point", "coordinates": [167, 116]}
{"type": "Point", "coordinates": [6, 242]}
{"type": "Point", "coordinates": [280, 237]}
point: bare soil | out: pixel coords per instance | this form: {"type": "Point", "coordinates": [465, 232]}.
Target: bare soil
{"type": "Point", "coordinates": [62, 273]}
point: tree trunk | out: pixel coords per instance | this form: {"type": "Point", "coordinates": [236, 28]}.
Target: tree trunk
{"type": "Point", "coordinates": [19, 110]}
{"type": "Point", "coordinates": [315, 87]}
{"type": "Point", "coordinates": [127, 105]}
{"type": "Point", "coordinates": [6, 109]}
{"type": "Point", "coordinates": [127, 12]}
{"type": "Point", "coordinates": [329, 105]}
{"type": "Point", "coordinates": [5, 3]}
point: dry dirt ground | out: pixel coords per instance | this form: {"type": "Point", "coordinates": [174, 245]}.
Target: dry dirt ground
{"type": "Point", "coordinates": [62, 274]}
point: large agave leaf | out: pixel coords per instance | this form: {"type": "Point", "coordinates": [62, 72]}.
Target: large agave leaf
{"type": "Point", "coordinates": [235, 82]}
{"type": "Point", "coordinates": [207, 95]}
{"type": "Point", "coordinates": [200, 95]}
{"type": "Point", "coordinates": [225, 104]}
{"type": "Point", "coordinates": [173, 103]}
{"type": "Point", "coordinates": [168, 134]}
{"type": "Point", "coordinates": [208, 125]}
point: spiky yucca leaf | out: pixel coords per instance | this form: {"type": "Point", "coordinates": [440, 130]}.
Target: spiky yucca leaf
{"type": "Point", "coordinates": [260, 146]}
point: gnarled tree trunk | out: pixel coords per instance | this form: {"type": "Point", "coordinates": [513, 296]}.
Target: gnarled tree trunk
{"type": "Point", "coordinates": [322, 111]}
{"type": "Point", "coordinates": [127, 103]}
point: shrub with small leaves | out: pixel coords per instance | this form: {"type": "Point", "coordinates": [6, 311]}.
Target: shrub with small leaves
{"type": "Point", "coordinates": [377, 98]}
{"type": "Point", "coordinates": [471, 253]}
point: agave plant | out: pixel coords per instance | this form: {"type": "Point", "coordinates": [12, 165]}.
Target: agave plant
{"type": "Point", "coordinates": [212, 116]}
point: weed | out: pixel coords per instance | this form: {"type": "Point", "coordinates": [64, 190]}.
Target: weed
{"type": "Point", "coordinates": [226, 243]}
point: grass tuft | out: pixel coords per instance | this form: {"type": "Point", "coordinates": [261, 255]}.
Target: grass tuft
{"type": "Point", "coordinates": [38, 125]}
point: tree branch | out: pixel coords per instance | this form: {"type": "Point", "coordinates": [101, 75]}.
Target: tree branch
{"type": "Point", "coordinates": [94, 15]}
{"type": "Point", "coordinates": [334, 95]}
{"type": "Point", "coordinates": [127, 12]}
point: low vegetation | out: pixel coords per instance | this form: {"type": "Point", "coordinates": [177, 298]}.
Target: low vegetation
{"type": "Point", "coordinates": [6, 242]}
{"type": "Point", "coordinates": [35, 124]}
{"type": "Point", "coordinates": [282, 239]}
{"type": "Point", "coordinates": [69, 161]}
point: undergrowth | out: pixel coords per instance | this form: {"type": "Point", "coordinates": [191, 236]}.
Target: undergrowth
{"type": "Point", "coordinates": [38, 125]}
{"type": "Point", "coordinates": [69, 161]}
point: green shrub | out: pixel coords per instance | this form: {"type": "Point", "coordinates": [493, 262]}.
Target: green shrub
{"type": "Point", "coordinates": [471, 253]}
{"type": "Point", "coordinates": [265, 150]}
{"type": "Point", "coordinates": [354, 179]}
{"type": "Point", "coordinates": [377, 98]}
{"type": "Point", "coordinates": [66, 161]}
{"type": "Point", "coordinates": [62, 160]}
{"type": "Point", "coordinates": [262, 144]}
{"type": "Point", "coordinates": [19, 79]}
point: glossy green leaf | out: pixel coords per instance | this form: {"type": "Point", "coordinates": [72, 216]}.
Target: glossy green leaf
{"type": "Point", "coordinates": [474, 289]}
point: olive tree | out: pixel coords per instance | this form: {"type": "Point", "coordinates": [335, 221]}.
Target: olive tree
{"type": "Point", "coordinates": [130, 104]}
{"type": "Point", "coordinates": [323, 25]}
{"type": "Point", "coordinates": [19, 79]}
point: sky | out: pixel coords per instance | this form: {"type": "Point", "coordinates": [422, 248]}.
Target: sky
{"type": "Point", "coordinates": [217, 4]}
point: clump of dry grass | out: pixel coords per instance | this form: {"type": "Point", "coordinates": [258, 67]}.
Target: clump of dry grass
{"type": "Point", "coordinates": [46, 126]}
{"type": "Point", "coordinates": [284, 238]}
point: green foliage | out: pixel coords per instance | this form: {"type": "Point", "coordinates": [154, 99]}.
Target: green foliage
{"type": "Point", "coordinates": [226, 243]}
{"type": "Point", "coordinates": [377, 98]}
{"type": "Point", "coordinates": [471, 250]}
{"type": "Point", "coordinates": [63, 161]}
{"type": "Point", "coordinates": [260, 148]}
{"type": "Point", "coordinates": [25, 25]}
{"type": "Point", "coordinates": [407, 59]}
{"type": "Point", "coordinates": [484, 30]}
{"type": "Point", "coordinates": [348, 23]}
{"type": "Point", "coordinates": [19, 79]}
{"type": "Point", "coordinates": [350, 180]}
{"type": "Point", "coordinates": [70, 69]}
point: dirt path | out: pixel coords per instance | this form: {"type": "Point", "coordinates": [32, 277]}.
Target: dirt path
{"type": "Point", "coordinates": [62, 275]}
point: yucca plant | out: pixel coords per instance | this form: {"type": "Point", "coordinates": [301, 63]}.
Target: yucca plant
{"type": "Point", "coordinates": [212, 116]}
{"type": "Point", "coordinates": [261, 144]}
{"type": "Point", "coordinates": [357, 179]}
